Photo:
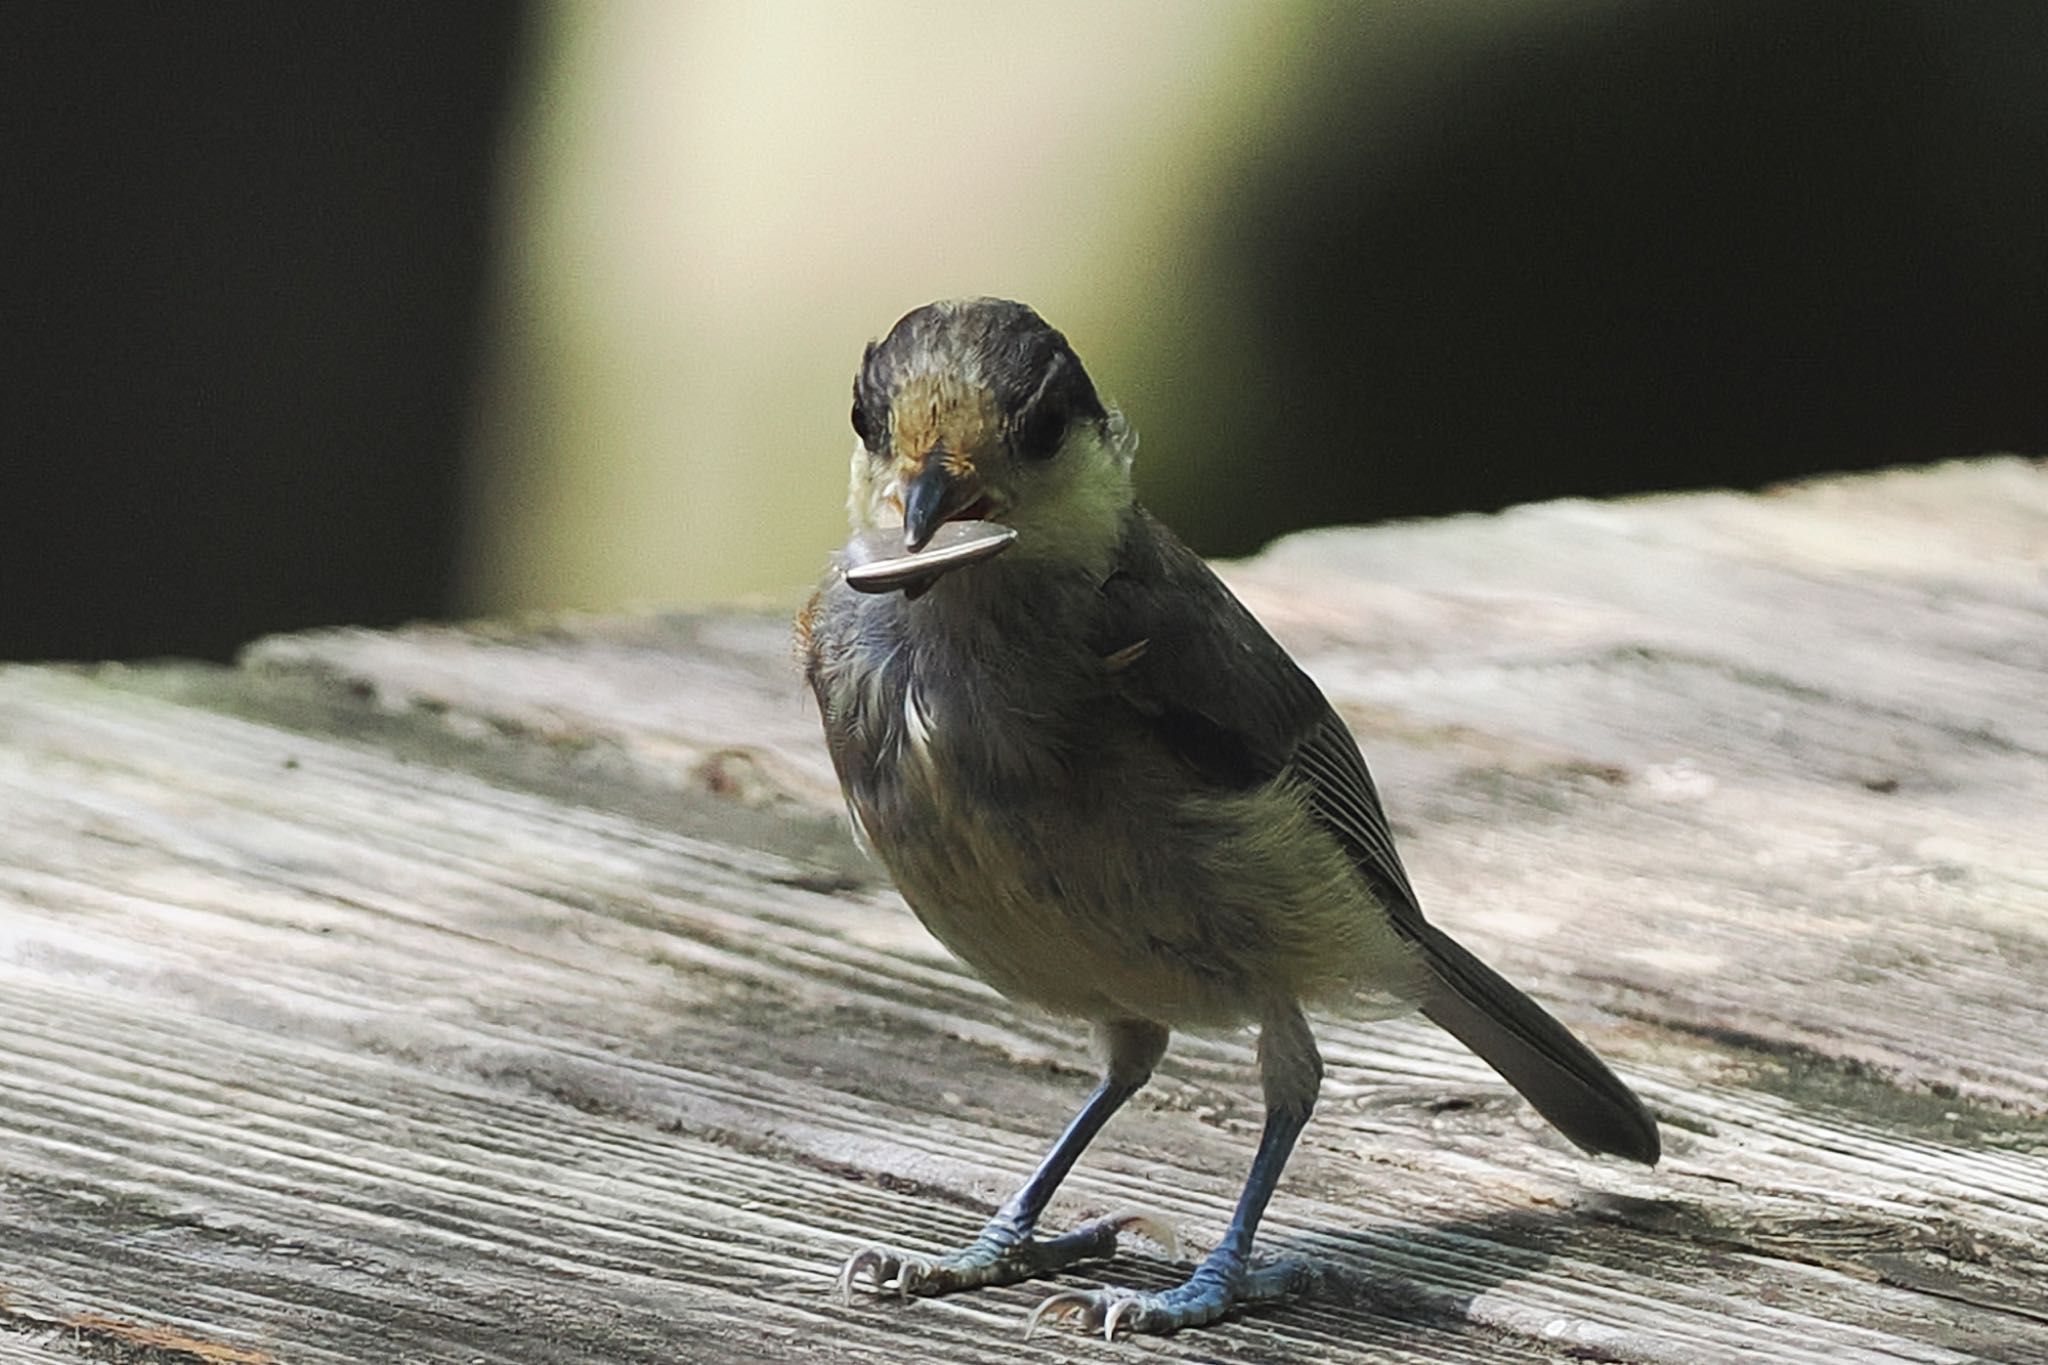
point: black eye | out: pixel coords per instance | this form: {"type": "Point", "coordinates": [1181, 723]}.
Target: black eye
{"type": "Point", "coordinates": [870, 402]}
{"type": "Point", "coordinates": [870, 417]}
{"type": "Point", "coordinates": [1040, 428]}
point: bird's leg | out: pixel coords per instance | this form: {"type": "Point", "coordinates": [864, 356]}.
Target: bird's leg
{"type": "Point", "coordinates": [1005, 1251]}
{"type": "Point", "coordinates": [1291, 1072]}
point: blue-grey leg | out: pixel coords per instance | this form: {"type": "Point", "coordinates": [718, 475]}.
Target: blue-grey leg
{"type": "Point", "coordinates": [1006, 1251]}
{"type": "Point", "coordinates": [1291, 1071]}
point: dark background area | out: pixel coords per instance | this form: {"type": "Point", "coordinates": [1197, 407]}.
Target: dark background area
{"type": "Point", "coordinates": [246, 252]}
{"type": "Point", "coordinates": [1677, 245]}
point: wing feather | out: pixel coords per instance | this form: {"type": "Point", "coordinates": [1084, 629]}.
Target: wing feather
{"type": "Point", "coordinates": [1222, 694]}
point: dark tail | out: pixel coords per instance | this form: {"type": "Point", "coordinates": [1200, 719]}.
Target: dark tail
{"type": "Point", "coordinates": [1533, 1052]}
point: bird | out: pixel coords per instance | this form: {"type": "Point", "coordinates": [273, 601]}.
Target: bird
{"type": "Point", "coordinates": [1103, 785]}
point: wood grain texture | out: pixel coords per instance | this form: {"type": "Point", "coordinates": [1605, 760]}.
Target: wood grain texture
{"type": "Point", "coordinates": [510, 995]}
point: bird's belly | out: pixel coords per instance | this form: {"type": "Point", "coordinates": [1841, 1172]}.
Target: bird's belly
{"type": "Point", "coordinates": [1187, 914]}
{"type": "Point", "coordinates": [1037, 949]}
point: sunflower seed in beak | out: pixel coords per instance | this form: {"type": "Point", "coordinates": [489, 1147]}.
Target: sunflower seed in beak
{"type": "Point", "coordinates": [877, 561]}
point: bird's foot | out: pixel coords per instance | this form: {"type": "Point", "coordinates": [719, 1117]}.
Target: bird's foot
{"type": "Point", "coordinates": [1213, 1290]}
{"type": "Point", "coordinates": [1002, 1254]}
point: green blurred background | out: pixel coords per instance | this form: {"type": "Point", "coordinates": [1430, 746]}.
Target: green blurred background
{"type": "Point", "coordinates": [359, 313]}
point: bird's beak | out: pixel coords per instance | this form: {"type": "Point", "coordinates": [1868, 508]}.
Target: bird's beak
{"type": "Point", "coordinates": [933, 496]}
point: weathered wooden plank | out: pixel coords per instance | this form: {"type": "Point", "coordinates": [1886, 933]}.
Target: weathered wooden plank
{"type": "Point", "coordinates": [33, 1348]}
{"type": "Point", "coordinates": [55, 1347]}
{"type": "Point", "coordinates": [448, 1022]}
{"type": "Point", "coordinates": [146, 1130]}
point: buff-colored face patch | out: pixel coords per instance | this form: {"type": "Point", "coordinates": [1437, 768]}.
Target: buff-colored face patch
{"type": "Point", "coordinates": [945, 413]}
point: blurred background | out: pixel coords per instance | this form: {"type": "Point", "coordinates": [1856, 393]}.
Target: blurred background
{"type": "Point", "coordinates": [322, 313]}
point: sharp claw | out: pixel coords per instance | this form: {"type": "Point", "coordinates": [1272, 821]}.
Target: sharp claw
{"type": "Point", "coordinates": [885, 1271]}
{"type": "Point", "coordinates": [911, 1271]}
{"type": "Point", "coordinates": [1150, 1228]}
{"type": "Point", "coordinates": [1115, 1313]}
{"type": "Point", "coordinates": [1061, 1305]}
{"type": "Point", "coordinates": [849, 1274]}
{"type": "Point", "coordinates": [1005, 1256]}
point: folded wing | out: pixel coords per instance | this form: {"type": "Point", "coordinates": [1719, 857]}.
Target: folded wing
{"type": "Point", "coordinates": [1223, 695]}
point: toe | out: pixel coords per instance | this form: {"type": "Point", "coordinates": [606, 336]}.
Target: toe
{"type": "Point", "coordinates": [1132, 1306]}
{"type": "Point", "coordinates": [872, 1260]}
{"type": "Point", "coordinates": [913, 1274]}
{"type": "Point", "coordinates": [1152, 1229]}
{"type": "Point", "coordinates": [1206, 1296]}
{"type": "Point", "coordinates": [888, 1271]}
{"type": "Point", "coordinates": [1065, 1304]}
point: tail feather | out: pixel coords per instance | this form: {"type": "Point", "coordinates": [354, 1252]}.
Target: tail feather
{"type": "Point", "coordinates": [1534, 1053]}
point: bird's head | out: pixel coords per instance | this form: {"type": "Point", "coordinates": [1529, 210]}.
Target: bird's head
{"type": "Point", "coordinates": [977, 409]}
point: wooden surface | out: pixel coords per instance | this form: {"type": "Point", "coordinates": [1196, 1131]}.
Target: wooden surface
{"type": "Point", "coordinates": [511, 994]}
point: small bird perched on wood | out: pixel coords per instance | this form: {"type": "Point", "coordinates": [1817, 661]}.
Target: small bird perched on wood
{"type": "Point", "coordinates": [1100, 782]}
